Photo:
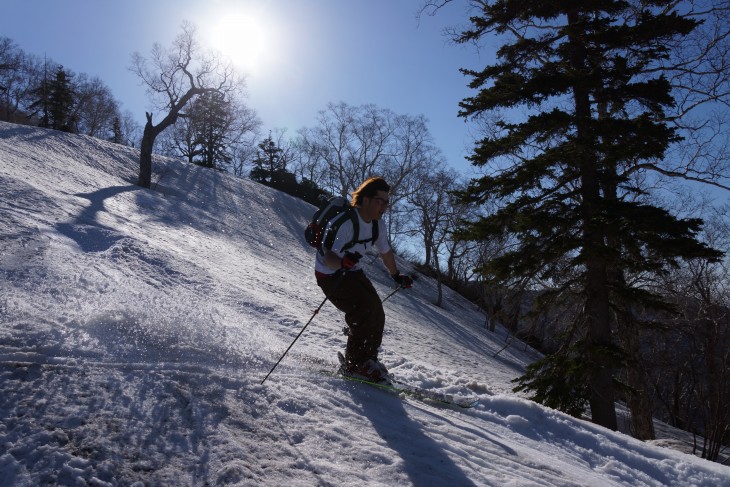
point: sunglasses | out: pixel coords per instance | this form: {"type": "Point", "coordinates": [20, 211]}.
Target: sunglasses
{"type": "Point", "coordinates": [383, 201]}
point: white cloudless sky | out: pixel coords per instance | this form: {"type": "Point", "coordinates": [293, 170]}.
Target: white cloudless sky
{"type": "Point", "coordinates": [298, 55]}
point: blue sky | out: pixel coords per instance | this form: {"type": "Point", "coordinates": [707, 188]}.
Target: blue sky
{"type": "Point", "coordinates": [315, 52]}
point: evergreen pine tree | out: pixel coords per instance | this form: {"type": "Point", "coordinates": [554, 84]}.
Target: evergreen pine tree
{"type": "Point", "coordinates": [561, 176]}
{"type": "Point", "coordinates": [269, 163]}
{"type": "Point", "coordinates": [60, 102]}
{"type": "Point", "coordinates": [210, 117]}
{"type": "Point", "coordinates": [40, 107]}
{"type": "Point", "coordinates": [117, 134]}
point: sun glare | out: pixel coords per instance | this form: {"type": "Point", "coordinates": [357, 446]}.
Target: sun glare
{"type": "Point", "coordinates": [244, 39]}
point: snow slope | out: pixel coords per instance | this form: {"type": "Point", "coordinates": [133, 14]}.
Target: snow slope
{"type": "Point", "coordinates": [136, 326]}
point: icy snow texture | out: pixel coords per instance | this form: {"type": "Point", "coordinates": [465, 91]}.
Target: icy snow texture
{"type": "Point", "coordinates": [136, 327]}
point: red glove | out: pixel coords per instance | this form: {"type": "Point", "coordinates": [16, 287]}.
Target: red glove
{"type": "Point", "coordinates": [350, 260]}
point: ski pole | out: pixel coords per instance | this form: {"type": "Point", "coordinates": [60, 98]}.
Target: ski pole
{"type": "Point", "coordinates": [292, 343]}
{"type": "Point", "coordinates": [389, 295]}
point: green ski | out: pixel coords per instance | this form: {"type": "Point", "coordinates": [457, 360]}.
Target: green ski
{"type": "Point", "coordinates": [407, 390]}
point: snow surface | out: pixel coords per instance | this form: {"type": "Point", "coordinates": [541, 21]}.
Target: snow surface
{"type": "Point", "coordinates": [137, 325]}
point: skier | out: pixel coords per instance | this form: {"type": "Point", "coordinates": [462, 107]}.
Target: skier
{"type": "Point", "coordinates": [343, 281]}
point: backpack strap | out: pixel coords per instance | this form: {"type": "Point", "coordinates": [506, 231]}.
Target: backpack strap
{"type": "Point", "coordinates": [356, 233]}
{"type": "Point", "coordinates": [355, 229]}
{"type": "Point", "coordinates": [329, 239]}
{"type": "Point", "coordinates": [334, 226]}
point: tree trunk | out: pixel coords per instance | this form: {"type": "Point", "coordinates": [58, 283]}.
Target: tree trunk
{"type": "Point", "coordinates": [597, 310]}
{"type": "Point", "coordinates": [427, 239]}
{"type": "Point", "coordinates": [603, 410]}
{"type": "Point", "coordinates": [638, 400]}
{"type": "Point", "coordinates": [490, 308]}
{"type": "Point", "coordinates": [145, 154]}
{"type": "Point", "coordinates": [642, 419]}
{"type": "Point", "coordinates": [152, 131]}
{"type": "Point", "coordinates": [437, 267]}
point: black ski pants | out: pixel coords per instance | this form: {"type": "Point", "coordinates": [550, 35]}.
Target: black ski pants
{"type": "Point", "coordinates": [354, 294]}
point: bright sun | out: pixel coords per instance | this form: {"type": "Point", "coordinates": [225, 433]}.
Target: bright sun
{"type": "Point", "coordinates": [244, 39]}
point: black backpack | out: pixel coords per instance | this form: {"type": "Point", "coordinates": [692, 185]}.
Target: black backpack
{"type": "Point", "coordinates": [337, 210]}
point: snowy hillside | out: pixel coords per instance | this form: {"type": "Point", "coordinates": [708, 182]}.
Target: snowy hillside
{"type": "Point", "coordinates": [136, 326]}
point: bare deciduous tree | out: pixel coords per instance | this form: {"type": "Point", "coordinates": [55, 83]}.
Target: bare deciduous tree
{"type": "Point", "coordinates": [690, 363]}
{"type": "Point", "coordinates": [173, 77]}
{"type": "Point", "coordinates": [95, 107]}
{"type": "Point", "coordinates": [350, 144]}
{"type": "Point", "coordinates": [434, 209]}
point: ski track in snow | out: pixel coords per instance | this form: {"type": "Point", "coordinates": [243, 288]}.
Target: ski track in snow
{"type": "Point", "coordinates": [136, 327]}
